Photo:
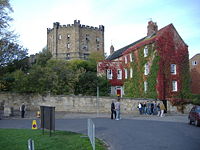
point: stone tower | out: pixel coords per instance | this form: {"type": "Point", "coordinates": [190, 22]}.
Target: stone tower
{"type": "Point", "coordinates": [74, 41]}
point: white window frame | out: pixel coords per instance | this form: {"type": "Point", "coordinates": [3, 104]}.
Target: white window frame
{"type": "Point", "coordinates": [146, 69]}
{"type": "Point", "coordinates": [131, 59]}
{"type": "Point", "coordinates": [68, 45]}
{"type": "Point", "coordinates": [68, 36]}
{"type": "Point", "coordinates": [145, 86]}
{"type": "Point", "coordinates": [119, 74]}
{"type": "Point", "coordinates": [194, 62]}
{"type": "Point", "coordinates": [145, 51]}
{"type": "Point", "coordinates": [173, 68]}
{"type": "Point", "coordinates": [126, 73]}
{"type": "Point", "coordinates": [174, 86]}
{"type": "Point", "coordinates": [131, 72]}
{"type": "Point", "coordinates": [109, 74]}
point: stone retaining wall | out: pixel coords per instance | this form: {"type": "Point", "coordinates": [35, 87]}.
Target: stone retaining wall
{"type": "Point", "coordinates": [68, 103]}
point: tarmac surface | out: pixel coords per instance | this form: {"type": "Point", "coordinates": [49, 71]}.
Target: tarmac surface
{"type": "Point", "coordinates": [132, 132]}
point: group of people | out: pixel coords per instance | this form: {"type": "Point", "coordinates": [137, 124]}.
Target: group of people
{"type": "Point", "coordinates": [151, 108]}
{"type": "Point", "coordinates": [115, 109]}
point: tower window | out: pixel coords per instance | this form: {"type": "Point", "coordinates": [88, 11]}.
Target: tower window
{"type": "Point", "coordinates": [68, 45]}
{"type": "Point", "coordinates": [97, 46]}
{"type": "Point", "coordinates": [68, 56]}
{"type": "Point", "coordinates": [68, 36]}
{"type": "Point", "coordinates": [59, 37]}
{"type": "Point", "coordinates": [87, 37]}
{"type": "Point", "coordinates": [97, 40]}
{"type": "Point", "coordinates": [194, 63]}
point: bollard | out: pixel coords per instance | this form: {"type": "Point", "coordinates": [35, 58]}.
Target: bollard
{"type": "Point", "coordinates": [31, 144]}
{"type": "Point", "coordinates": [38, 114]}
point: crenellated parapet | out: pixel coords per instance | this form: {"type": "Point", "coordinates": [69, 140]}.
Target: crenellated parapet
{"type": "Point", "coordinates": [56, 25]}
{"type": "Point", "coordinates": [75, 40]}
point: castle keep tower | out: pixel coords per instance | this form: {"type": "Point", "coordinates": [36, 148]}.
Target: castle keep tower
{"type": "Point", "coordinates": [74, 41]}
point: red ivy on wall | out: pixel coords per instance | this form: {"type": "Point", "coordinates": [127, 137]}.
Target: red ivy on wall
{"type": "Point", "coordinates": [171, 49]}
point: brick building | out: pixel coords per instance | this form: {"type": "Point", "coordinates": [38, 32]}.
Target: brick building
{"type": "Point", "coordinates": [155, 66]}
{"type": "Point", "coordinates": [74, 41]}
{"type": "Point", "coordinates": [195, 74]}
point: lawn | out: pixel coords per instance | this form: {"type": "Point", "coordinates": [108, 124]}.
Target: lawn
{"type": "Point", "coordinates": [17, 139]}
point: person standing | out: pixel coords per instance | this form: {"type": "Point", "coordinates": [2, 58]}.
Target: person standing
{"type": "Point", "coordinates": [162, 109]}
{"type": "Point", "coordinates": [158, 109]}
{"type": "Point", "coordinates": [145, 108]}
{"type": "Point", "coordinates": [113, 112]}
{"type": "Point", "coordinates": [117, 108]}
{"type": "Point", "coordinates": [140, 108]}
{"type": "Point", "coordinates": [22, 109]}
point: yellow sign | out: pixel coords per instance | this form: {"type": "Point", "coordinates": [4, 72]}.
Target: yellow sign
{"type": "Point", "coordinates": [34, 125]}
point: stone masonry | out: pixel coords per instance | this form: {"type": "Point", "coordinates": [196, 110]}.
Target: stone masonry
{"type": "Point", "coordinates": [74, 41]}
{"type": "Point", "coordinates": [75, 104]}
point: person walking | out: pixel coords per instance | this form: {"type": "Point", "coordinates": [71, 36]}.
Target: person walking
{"type": "Point", "coordinates": [22, 109]}
{"type": "Point", "coordinates": [117, 109]}
{"type": "Point", "coordinates": [113, 112]}
{"type": "Point", "coordinates": [162, 109]}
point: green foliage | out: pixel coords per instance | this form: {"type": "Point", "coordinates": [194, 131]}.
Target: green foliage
{"type": "Point", "coordinates": [152, 79]}
{"type": "Point", "coordinates": [134, 87]}
{"type": "Point", "coordinates": [9, 49]}
{"type": "Point", "coordinates": [55, 76]}
{"type": "Point", "coordinates": [43, 57]}
{"type": "Point", "coordinates": [60, 140]}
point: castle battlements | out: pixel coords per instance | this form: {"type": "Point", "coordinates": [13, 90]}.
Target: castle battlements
{"type": "Point", "coordinates": [76, 24]}
{"type": "Point", "coordinates": [74, 41]}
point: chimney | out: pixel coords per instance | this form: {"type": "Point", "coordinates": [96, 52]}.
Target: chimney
{"type": "Point", "coordinates": [151, 28]}
{"type": "Point", "coordinates": [112, 49]}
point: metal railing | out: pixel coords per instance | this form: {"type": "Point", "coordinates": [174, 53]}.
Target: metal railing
{"type": "Point", "coordinates": [91, 133]}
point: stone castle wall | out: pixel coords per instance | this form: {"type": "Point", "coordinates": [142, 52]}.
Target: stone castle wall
{"type": "Point", "coordinates": [74, 41]}
{"type": "Point", "coordinates": [82, 104]}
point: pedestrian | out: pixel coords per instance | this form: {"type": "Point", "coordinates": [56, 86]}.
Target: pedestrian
{"type": "Point", "coordinates": [140, 108]}
{"type": "Point", "coordinates": [113, 112]}
{"type": "Point", "coordinates": [117, 109]}
{"type": "Point", "coordinates": [145, 108]}
{"type": "Point", "coordinates": [22, 109]}
{"type": "Point", "coordinates": [148, 108]}
{"type": "Point", "coordinates": [162, 109]}
{"type": "Point", "coordinates": [152, 108]}
{"type": "Point", "coordinates": [158, 109]}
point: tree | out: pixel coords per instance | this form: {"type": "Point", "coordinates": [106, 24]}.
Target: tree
{"type": "Point", "coordinates": [43, 57]}
{"type": "Point", "coordinates": [5, 10]}
{"type": "Point", "coordinates": [9, 49]}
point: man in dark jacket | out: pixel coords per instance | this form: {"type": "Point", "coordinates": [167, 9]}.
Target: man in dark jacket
{"type": "Point", "coordinates": [113, 110]}
{"type": "Point", "coordinates": [23, 109]}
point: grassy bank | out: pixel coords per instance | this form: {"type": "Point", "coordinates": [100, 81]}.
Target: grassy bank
{"type": "Point", "coordinates": [16, 139]}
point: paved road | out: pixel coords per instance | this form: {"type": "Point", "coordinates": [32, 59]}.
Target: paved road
{"type": "Point", "coordinates": [138, 133]}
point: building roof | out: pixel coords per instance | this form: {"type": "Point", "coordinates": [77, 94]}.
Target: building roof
{"type": "Point", "coordinates": [119, 52]}
{"type": "Point", "coordinates": [139, 43]}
